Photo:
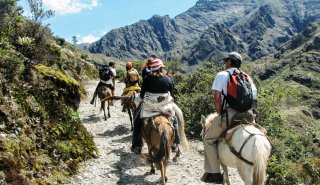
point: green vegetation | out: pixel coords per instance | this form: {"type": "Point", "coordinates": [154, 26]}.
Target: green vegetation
{"type": "Point", "coordinates": [295, 158]}
{"type": "Point", "coordinates": [42, 139]}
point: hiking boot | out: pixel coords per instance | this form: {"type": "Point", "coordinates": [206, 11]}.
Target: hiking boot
{"type": "Point", "coordinates": [212, 178]}
{"type": "Point", "coordinates": [136, 150]}
{"type": "Point", "coordinates": [174, 147]}
{"type": "Point", "coordinates": [123, 109]}
{"type": "Point", "coordinates": [92, 101]}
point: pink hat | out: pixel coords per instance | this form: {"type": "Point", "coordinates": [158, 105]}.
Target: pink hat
{"type": "Point", "coordinates": [156, 64]}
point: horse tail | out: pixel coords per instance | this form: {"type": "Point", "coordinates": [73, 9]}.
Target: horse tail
{"type": "Point", "coordinates": [164, 148]}
{"type": "Point", "coordinates": [260, 161]}
{"type": "Point", "coordinates": [181, 123]}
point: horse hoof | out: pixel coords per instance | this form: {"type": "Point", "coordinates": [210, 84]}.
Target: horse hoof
{"type": "Point", "coordinates": [175, 159]}
{"type": "Point", "coordinates": [166, 179]}
{"type": "Point", "coordinates": [152, 171]}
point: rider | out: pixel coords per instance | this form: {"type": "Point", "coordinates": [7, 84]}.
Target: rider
{"type": "Point", "coordinates": [219, 125]}
{"type": "Point", "coordinates": [146, 69]}
{"type": "Point", "coordinates": [155, 86]}
{"type": "Point", "coordinates": [131, 81]}
{"type": "Point", "coordinates": [107, 78]}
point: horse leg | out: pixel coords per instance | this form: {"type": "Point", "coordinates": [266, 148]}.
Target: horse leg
{"type": "Point", "coordinates": [162, 169]}
{"type": "Point", "coordinates": [109, 109]}
{"type": "Point", "coordinates": [165, 169]}
{"type": "Point", "coordinates": [103, 107]}
{"type": "Point", "coordinates": [130, 116]}
{"type": "Point", "coordinates": [153, 170]}
{"type": "Point", "coordinates": [175, 158]}
{"type": "Point", "coordinates": [225, 175]}
{"type": "Point", "coordinates": [247, 174]}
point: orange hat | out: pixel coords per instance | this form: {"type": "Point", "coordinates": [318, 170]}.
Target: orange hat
{"type": "Point", "coordinates": [129, 64]}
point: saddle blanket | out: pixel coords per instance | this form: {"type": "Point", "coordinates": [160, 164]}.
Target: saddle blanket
{"type": "Point", "coordinates": [157, 103]}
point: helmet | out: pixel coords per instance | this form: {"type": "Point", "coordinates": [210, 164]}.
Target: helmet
{"type": "Point", "coordinates": [156, 64]}
{"type": "Point", "coordinates": [129, 65]}
{"type": "Point", "coordinates": [236, 57]}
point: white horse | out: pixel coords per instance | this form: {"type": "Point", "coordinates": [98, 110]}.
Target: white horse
{"type": "Point", "coordinates": [247, 149]}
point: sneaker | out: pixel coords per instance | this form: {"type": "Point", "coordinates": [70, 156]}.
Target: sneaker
{"type": "Point", "coordinates": [216, 178]}
{"type": "Point", "coordinates": [92, 101]}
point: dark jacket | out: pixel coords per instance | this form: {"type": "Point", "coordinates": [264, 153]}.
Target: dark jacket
{"type": "Point", "coordinates": [156, 84]}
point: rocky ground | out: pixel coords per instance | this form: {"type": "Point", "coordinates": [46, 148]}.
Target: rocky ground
{"type": "Point", "coordinates": [116, 164]}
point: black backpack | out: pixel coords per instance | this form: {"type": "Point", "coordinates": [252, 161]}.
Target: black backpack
{"type": "Point", "coordinates": [105, 73]}
{"type": "Point", "coordinates": [239, 91]}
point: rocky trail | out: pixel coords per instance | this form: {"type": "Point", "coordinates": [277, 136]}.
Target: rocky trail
{"type": "Point", "coordinates": [116, 164]}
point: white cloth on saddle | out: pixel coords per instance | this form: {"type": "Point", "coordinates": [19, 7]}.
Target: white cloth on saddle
{"type": "Point", "coordinates": [157, 103]}
{"type": "Point", "coordinates": [137, 99]}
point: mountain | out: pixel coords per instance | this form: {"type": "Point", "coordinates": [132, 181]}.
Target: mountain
{"type": "Point", "coordinates": [255, 27]}
{"type": "Point", "coordinates": [298, 63]}
{"type": "Point", "coordinates": [140, 40]}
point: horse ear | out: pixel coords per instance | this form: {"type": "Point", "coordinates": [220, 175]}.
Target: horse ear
{"type": "Point", "coordinates": [203, 119]}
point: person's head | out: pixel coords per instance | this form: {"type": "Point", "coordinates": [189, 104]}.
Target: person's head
{"type": "Point", "coordinates": [156, 65]}
{"type": "Point", "coordinates": [129, 65]}
{"type": "Point", "coordinates": [112, 64]}
{"type": "Point", "coordinates": [233, 59]}
{"type": "Point", "coordinates": [147, 63]}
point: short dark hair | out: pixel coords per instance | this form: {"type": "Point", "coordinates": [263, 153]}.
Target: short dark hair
{"type": "Point", "coordinates": [111, 63]}
{"type": "Point", "coordinates": [235, 63]}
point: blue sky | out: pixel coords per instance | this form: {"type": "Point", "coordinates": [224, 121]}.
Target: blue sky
{"type": "Point", "coordinates": [89, 20]}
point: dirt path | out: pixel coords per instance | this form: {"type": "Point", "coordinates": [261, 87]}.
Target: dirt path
{"type": "Point", "coordinates": [116, 164]}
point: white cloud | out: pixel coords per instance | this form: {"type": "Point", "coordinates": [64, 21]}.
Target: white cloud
{"type": "Point", "coordinates": [88, 39]}
{"type": "Point", "coordinates": [70, 6]}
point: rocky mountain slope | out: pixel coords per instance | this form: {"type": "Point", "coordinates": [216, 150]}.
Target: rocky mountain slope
{"type": "Point", "coordinates": [298, 63]}
{"type": "Point", "coordinates": [256, 27]}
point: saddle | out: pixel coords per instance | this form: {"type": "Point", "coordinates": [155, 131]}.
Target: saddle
{"type": "Point", "coordinates": [239, 119]}
{"type": "Point", "coordinates": [131, 88]}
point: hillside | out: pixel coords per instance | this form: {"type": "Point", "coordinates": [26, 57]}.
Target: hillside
{"type": "Point", "coordinates": [261, 26]}
{"type": "Point", "coordinates": [298, 63]}
{"type": "Point", "coordinates": [42, 139]}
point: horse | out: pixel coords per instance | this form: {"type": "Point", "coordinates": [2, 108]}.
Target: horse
{"type": "Point", "coordinates": [104, 94]}
{"type": "Point", "coordinates": [158, 132]}
{"type": "Point", "coordinates": [245, 148]}
{"type": "Point", "coordinates": [129, 106]}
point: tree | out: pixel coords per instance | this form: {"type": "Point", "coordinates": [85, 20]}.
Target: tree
{"type": "Point", "coordinates": [9, 18]}
{"type": "Point", "coordinates": [74, 40]}
{"type": "Point", "coordinates": [38, 13]}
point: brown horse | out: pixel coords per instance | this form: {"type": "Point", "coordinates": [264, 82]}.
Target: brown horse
{"type": "Point", "coordinates": [104, 94]}
{"type": "Point", "coordinates": [158, 132]}
{"type": "Point", "coordinates": [129, 106]}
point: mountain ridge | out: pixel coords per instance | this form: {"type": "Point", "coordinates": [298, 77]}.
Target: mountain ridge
{"type": "Point", "coordinates": [275, 22]}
